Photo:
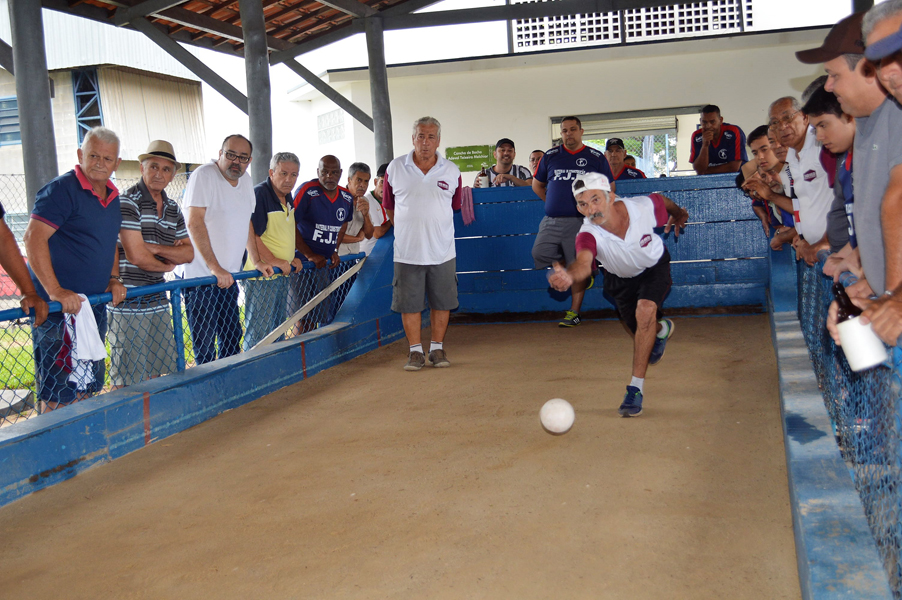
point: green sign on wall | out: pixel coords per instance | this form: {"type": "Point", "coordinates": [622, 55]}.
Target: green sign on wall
{"type": "Point", "coordinates": [470, 158]}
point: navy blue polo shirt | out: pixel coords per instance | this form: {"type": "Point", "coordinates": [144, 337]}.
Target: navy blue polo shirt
{"type": "Point", "coordinates": [319, 218]}
{"type": "Point", "coordinates": [728, 147]}
{"type": "Point", "coordinates": [559, 167]}
{"type": "Point", "coordinates": [87, 228]}
{"type": "Point", "coordinates": [629, 173]}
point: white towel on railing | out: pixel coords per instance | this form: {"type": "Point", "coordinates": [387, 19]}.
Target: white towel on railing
{"type": "Point", "coordinates": [87, 346]}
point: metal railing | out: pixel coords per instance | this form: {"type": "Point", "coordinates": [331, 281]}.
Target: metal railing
{"type": "Point", "coordinates": [864, 408]}
{"type": "Point", "coordinates": [159, 329]}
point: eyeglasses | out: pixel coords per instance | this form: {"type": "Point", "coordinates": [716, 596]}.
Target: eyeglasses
{"type": "Point", "coordinates": [231, 156]}
{"type": "Point", "coordinates": [783, 121]}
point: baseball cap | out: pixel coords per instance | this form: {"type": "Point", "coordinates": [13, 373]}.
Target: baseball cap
{"type": "Point", "coordinates": [614, 142]}
{"type": "Point", "coordinates": [883, 48]}
{"type": "Point", "coordinates": [503, 141]}
{"type": "Point", "coordinates": [591, 181]}
{"type": "Point", "coordinates": [844, 38]}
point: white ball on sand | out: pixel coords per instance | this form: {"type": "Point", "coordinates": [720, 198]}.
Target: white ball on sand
{"type": "Point", "coordinates": [557, 416]}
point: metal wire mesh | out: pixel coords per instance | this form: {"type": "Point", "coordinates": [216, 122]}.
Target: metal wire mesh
{"type": "Point", "coordinates": [159, 329]}
{"type": "Point", "coordinates": [866, 423]}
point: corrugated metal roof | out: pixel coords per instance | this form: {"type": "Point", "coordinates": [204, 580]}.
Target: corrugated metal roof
{"type": "Point", "coordinates": [73, 42]}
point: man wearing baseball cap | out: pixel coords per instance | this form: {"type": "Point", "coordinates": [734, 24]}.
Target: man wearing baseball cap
{"type": "Point", "coordinates": [615, 152]}
{"type": "Point", "coordinates": [717, 147]}
{"type": "Point", "coordinates": [504, 173]}
{"type": "Point", "coordinates": [618, 233]}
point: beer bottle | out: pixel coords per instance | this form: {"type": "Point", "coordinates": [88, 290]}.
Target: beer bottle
{"type": "Point", "coordinates": [483, 177]}
{"type": "Point", "coordinates": [846, 310]}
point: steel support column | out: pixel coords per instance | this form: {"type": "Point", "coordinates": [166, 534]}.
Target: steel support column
{"type": "Point", "coordinates": [375, 47]}
{"type": "Point", "coordinates": [33, 92]}
{"type": "Point", "coordinates": [259, 102]}
{"type": "Point", "coordinates": [862, 5]}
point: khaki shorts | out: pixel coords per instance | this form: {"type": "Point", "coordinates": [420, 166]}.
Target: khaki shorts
{"type": "Point", "coordinates": [413, 283]}
{"type": "Point", "coordinates": [141, 345]}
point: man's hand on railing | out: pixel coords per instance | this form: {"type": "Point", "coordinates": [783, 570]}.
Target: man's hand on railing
{"type": "Point", "coordinates": [68, 299]}
{"type": "Point", "coordinates": [32, 300]}
{"type": "Point", "coordinates": [885, 316]}
{"type": "Point", "coordinates": [296, 265]}
{"type": "Point", "coordinates": [264, 267]}
{"type": "Point", "coordinates": [224, 279]}
{"type": "Point", "coordinates": [335, 260]}
{"type": "Point", "coordinates": [117, 290]}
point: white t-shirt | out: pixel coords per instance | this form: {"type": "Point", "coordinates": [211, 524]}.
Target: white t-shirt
{"type": "Point", "coordinates": [377, 217]}
{"type": "Point", "coordinates": [424, 208]}
{"type": "Point", "coordinates": [640, 249]}
{"type": "Point", "coordinates": [811, 187]}
{"type": "Point", "coordinates": [227, 217]}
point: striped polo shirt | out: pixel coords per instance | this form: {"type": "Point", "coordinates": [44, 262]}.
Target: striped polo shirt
{"type": "Point", "coordinates": [139, 213]}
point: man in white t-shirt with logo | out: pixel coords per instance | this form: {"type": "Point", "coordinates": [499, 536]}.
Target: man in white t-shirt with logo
{"type": "Point", "coordinates": [219, 201]}
{"type": "Point", "coordinates": [619, 234]}
{"type": "Point", "coordinates": [420, 194]}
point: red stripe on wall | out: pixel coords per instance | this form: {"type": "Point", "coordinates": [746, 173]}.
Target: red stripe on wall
{"type": "Point", "coordinates": [146, 418]}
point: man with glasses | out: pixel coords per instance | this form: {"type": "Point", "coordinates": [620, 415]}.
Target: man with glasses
{"type": "Point", "coordinates": [717, 147]}
{"type": "Point", "coordinates": [219, 201]}
{"type": "Point", "coordinates": [806, 178]}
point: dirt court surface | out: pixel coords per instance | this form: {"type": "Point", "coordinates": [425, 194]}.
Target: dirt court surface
{"type": "Point", "coordinates": [370, 482]}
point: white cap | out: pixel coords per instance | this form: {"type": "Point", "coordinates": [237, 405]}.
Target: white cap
{"type": "Point", "coordinates": [590, 181]}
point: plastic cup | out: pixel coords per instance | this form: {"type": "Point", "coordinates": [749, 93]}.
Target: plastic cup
{"type": "Point", "coordinates": [861, 345]}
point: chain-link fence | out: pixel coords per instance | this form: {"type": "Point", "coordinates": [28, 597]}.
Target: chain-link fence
{"type": "Point", "coordinates": [863, 408]}
{"type": "Point", "coordinates": [159, 329]}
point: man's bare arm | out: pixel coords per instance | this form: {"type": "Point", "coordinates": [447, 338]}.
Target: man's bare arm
{"type": "Point", "coordinates": [201, 238]}
{"type": "Point", "coordinates": [891, 216]}
{"type": "Point", "coordinates": [700, 164]}
{"type": "Point", "coordinates": [180, 253]}
{"type": "Point", "coordinates": [139, 254]}
{"type": "Point", "coordinates": [38, 250]}
{"type": "Point", "coordinates": [538, 187]}
{"type": "Point", "coordinates": [731, 167]}
{"type": "Point", "coordinates": [12, 262]}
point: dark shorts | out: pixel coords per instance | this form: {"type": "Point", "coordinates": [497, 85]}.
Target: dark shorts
{"type": "Point", "coordinates": [412, 283]}
{"type": "Point", "coordinates": [556, 241]}
{"type": "Point", "coordinates": [651, 284]}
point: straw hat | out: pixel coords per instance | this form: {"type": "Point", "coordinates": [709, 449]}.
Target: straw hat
{"type": "Point", "coordinates": [160, 149]}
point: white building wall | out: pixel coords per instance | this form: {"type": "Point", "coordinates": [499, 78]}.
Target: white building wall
{"type": "Point", "coordinates": [481, 100]}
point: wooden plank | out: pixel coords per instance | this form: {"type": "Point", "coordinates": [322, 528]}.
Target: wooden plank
{"type": "Point", "coordinates": [509, 218]}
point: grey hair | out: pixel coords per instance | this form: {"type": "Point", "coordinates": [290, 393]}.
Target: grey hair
{"type": "Point", "coordinates": [427, 121]}
{"type": "Point", "coordinates": [792, 99]}
{"type": "Point", "coordinates": [879, 12]}
{"type": "Point", "coordinates": [280, 157]}
{"type": "Point", "coordinates": [358, 167]}
{"type": "Point", "coordinates": [102, 135]}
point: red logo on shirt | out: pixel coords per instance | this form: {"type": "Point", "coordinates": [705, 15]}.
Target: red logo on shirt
{"type": "Point", "coordinates": [810, 175]}
{"type": "Point", "coordinates": [443, 185]}
{"type": "Point", "coordinates": [645, 241]}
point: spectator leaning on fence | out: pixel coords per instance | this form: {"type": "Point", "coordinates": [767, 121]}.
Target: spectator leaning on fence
{"type": "Point", "coordinates": [766, 190]}
{"type": "Point", "coordinates": [381, 223]}
{"type": "Point", "coordinates": [219, 201]}
{"type": "Point", "coordinates": [362, 226]}
{"type": "Point", "coordinates": [12, 262]}
{"type": "Point", "coordinates": [153, 239]}
{"type": "Point", "coordinates": [273, 223]}
{"type": "Point", "coordinates": [534, 158]}
{"type": "Point", "coordinates": [878, 157]}
{"type": "Point", "coordinates": [615, 152]}
{"type": "Point", "coordinates": [322, 212]}
{"type": "Point", "coordinates": [71, 247]}
{"type": "Point", "coordinates": [504, 173]}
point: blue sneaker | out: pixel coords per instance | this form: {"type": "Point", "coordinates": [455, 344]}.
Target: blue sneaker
{"type": "Point", "coordinates": [632, 402]}
{"type": "Point", "coordinates": [657, 351]}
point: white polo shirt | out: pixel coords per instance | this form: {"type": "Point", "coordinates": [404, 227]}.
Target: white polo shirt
{"type": "Point", "coordinates": [640, 249]}
{"type": "Point", "coordinates": [811, 187]}
{"type": "Point", "coordinates": [424, 206]}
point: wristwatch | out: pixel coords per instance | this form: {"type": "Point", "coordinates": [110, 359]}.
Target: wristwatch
{"type": "Point", "coordinates": [116, 277]}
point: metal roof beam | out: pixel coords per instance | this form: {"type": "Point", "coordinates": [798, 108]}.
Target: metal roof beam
{"type": "Point", "coordinates": [149, 7]}
{"type": "Point", "coordinates": [191, 62]}
{"type": "Point", "coordinates": [512, 12]}
{"type": "Point", "coordinates": [207, 24]}
{"type": "Point", "coordinates": [351, 7]}
{"type": "Point", "coordinates": [6, 57]}
{"type": "Point", "coordinates": [356, 26]}
{"type": "Point", "coordinates": [329, 92]}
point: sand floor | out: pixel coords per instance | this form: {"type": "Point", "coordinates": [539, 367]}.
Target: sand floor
{"type": "Point", "coordinates": [367, 481]}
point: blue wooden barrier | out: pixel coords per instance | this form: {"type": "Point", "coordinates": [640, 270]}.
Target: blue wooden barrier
{"type": "Point", "coordinates": [719, 260]}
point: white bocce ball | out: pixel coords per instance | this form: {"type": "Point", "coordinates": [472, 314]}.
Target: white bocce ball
{"type": "Point", "coordinates": [557, 416]}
